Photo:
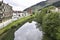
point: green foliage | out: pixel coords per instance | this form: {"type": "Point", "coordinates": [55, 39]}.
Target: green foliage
{"type": "Point", "coordinates": [40, 15]}
{"type": "Point", "coordinates": [50, 23]}
{"type": "Point", "coordinates": [51, 7]}
{"type": "Point", "coordinates": [7, 33]}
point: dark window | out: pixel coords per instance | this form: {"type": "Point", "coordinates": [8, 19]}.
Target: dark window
{"type": "Point", "coordinates": [0, 4]}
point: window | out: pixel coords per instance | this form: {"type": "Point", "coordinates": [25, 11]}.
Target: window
{"type": "Point", "coordinates": [0, 4]}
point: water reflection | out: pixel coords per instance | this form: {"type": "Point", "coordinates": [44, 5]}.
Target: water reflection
{"type": "Point", "coordinates": [28, 32]}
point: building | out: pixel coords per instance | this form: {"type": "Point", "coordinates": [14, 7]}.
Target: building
{"type": "Point", "coordinates": [6, 12]}
{"type": "Point", "coordinates": [28, 10]}
{"type": "Point", "coordinates": [18, 14]}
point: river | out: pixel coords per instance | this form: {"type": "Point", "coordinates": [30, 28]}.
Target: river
{"type": "Point", "coordinates": [28, 32]}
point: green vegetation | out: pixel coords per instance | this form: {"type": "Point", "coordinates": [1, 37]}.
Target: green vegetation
{"type": "Point", "coordinates": [7, 33]}
{"type": "Point", "coordinates": [50, 23]}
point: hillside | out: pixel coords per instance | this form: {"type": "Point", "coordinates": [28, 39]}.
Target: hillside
{"type": "Point", "coordinates": [43, 4]}
{"type": "Point", "coordinates": [57, 4]}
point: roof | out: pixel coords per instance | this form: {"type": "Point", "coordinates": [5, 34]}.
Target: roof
{"type": "Point", "coordinates": [17, 12]}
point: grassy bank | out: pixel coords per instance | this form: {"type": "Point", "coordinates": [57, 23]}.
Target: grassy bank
{"type": "Point", "coordinates": [7, 33]}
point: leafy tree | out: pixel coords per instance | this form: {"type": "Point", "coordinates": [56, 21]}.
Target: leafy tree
{"type": "Point", "coordinates": [50, 23]}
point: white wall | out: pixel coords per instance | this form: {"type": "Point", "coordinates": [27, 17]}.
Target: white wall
{"type": "Point", "coordinates": [15, 17]}
{"type": "Point", "coordinates": [5, 23]}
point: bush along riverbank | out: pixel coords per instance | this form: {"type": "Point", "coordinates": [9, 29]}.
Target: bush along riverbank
{"type": "Point", "coordinates": [7, 33]}
{"type": "Point", "coordinates": [50, 23]}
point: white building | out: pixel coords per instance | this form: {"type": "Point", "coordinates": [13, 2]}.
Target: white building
{"type": "Point", "coordinates": [19, 14]}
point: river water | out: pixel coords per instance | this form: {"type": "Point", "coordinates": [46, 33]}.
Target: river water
{"type": "Point", "coordinates": [28, 32]}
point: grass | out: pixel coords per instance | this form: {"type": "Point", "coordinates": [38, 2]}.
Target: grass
{"type": "Point", "coordinates": [3, 30]}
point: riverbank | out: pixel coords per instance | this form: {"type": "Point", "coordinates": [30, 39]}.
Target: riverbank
{"type": "Point", "coordinates": [6, 32]}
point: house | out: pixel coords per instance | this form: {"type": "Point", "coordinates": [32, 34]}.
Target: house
{"type": "Point", "coordinates": [6, 12]}
{"type": "Point", "coordinates": [18, 14]}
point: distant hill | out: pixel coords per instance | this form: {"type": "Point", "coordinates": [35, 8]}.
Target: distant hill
{"type": "Point", "coordinates": [37, 6]}
{"type": "Point", "coordinates": [43, 4]}
{"type": "Point", "coordinates": [51, 1]}
{"type": "Point", "coordinates": [57, 4]}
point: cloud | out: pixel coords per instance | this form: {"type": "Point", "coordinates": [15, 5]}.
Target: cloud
{"type": "Point", "coordinates": [21, 4]}
{"type": "Point", "coordinates": [18, 8]}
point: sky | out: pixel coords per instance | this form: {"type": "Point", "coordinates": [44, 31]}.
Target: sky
{"type": "Point", "coordinates": [21, 4]}
{"type": "Point", "coordinates": [28, 32]}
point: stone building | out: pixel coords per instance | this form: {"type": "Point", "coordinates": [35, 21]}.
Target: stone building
{"type": "Point", "coordinates": [29, 10]}
{"type": "Point", "coordinates": [6, 12]}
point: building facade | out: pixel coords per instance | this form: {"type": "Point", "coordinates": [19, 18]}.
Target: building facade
{"type": "Point", "coordinates": [18, 15]}
{"type": "Point", "coordinates": [6, 12]}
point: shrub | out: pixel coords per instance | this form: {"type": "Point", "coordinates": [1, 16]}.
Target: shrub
{"type": "Point", "coordinates": [50, 23]}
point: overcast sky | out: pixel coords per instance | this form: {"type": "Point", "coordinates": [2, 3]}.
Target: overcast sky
{"type": "Point", "coordinates": [21, 4]}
